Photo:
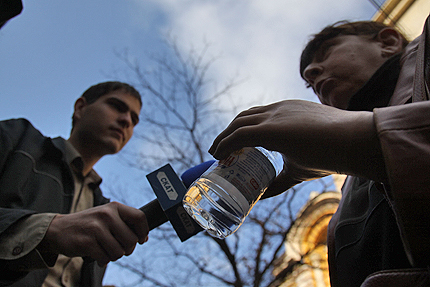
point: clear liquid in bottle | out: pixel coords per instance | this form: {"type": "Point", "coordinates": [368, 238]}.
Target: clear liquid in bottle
{"type": "Point", "coordinates": [224, 195]}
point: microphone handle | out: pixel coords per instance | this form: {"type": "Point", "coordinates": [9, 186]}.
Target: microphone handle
{"type": "Point", "coordinates": [154, 214]}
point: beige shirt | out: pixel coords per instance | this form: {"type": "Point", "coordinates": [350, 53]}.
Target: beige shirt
{"type": "Point", "coordinates": [66, 271]}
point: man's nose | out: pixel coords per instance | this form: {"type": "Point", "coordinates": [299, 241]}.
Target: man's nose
{"type": "Point", "coordinates": [311, 73]}
{"type": "Point", "coordinates": [125, 119]}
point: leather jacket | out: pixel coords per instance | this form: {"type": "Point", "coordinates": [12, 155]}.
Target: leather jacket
{"type": "Point", "coordinates": [35, 178]}
{"type": "Point", "coordinates": [397, 212]}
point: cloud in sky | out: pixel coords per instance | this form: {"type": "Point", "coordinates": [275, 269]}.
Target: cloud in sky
{"type": "Point", "coordinates": [259, 40]}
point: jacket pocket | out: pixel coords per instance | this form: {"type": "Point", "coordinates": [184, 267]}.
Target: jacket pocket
{"type": "Point", "coordinates": [398, 278]}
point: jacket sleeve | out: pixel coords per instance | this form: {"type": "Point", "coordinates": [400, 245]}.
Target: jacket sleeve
{"type": "Point", "coordinates": [11, 132]}
{"type": "Point", "coordinates": [404, 133]}
{"type": "Point", "coordinates": [17, 253]}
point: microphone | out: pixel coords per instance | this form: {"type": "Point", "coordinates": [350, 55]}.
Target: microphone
{"type": "Point", "coordinates": [191, 174]}
{"type": "Point", "coordinates": [170, 191]}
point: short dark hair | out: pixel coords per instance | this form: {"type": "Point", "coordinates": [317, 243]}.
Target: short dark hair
{"type": "Point", "coordinates": [369, 29]}
{"type": "Point", "coordinates": [96, 91]}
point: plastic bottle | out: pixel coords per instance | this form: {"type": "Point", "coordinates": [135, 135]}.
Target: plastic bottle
{"type": "Point", "coordinates": [224, 195]}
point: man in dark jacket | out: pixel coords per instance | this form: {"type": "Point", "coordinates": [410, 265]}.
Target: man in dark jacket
{"type": "Point", "coordinates": [373, 126]}
{"type": "Point", "coordinates": [56, 228]}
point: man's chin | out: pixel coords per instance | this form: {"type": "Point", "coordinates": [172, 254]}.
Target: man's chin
{"type": "Point", "coordinates": [112, 147]}
{"type": "Point", "coordinates": [338, 101]}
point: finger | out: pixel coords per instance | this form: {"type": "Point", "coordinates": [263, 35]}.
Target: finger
{"type": "Point", "coordinates": [281, 184]}
{"type": "Point", "coordinates": [241, 132]}
{"type": "Point", "coordinates": [99, 253]}
{"type": "Point", "coordinates": [135, 220]}
{"type": "Point", "coordinates": [260, 109]}
{"type": "Point", "coordinates": [110, 246]}
{"type": "Point", "coordinates": [125, 236]}
{"type": "Point", "coordinates": [232, 142]}
{"type": "Point", "coordinates": [252, 111]}
{"type": "Point", "coordinates": [246, 117]}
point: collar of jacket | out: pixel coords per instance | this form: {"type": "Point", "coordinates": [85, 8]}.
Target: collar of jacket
{"type": "Point", "coordinates": [377, 92]}
{"type": "Point", "coordinates": [75, 162]}
{"type": "Point", "coordinates": [59, 147]}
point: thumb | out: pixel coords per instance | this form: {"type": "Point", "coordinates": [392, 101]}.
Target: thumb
{"type": "Point", "coordinates": [282, 183]}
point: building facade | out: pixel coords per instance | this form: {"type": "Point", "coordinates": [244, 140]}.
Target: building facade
{"type": "Point", "coordinates": [407, 15]}
{"type": "Point", "coordinates": [304, 263]}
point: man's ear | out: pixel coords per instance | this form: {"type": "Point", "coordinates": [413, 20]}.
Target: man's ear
{"type": "Point", "coordinates": [391, 42]}
{"type": "Point", "coordinates": [80, 104]}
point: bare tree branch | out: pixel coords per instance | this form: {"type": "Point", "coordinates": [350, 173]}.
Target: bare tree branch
{"type": "Point", "coordinates": [183, 110]}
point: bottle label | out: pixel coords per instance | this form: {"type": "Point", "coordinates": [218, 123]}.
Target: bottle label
{"type": "Point", "coordinates": [248, 170]}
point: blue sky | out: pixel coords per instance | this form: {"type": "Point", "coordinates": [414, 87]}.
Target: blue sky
{"type": "Point", "coordinates": [55, 50]}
